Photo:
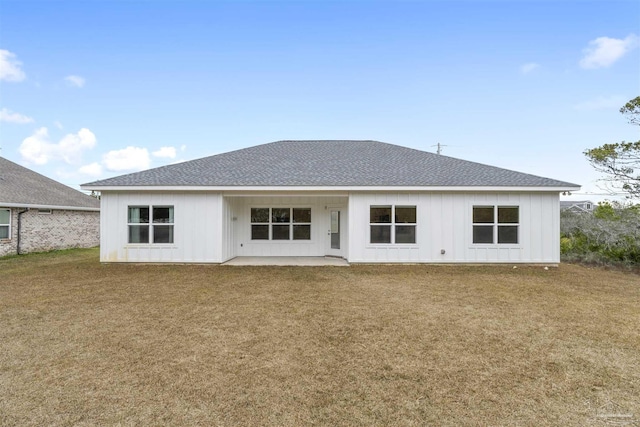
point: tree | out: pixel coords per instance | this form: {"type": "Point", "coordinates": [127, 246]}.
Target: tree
{"type": "Point", "coordinates": [621, 161]}
{"type": "Point", "coordinates": [632, 110]}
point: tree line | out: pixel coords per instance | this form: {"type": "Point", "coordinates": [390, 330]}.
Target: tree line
{"type": "Point", "coordinates": [611, 235]}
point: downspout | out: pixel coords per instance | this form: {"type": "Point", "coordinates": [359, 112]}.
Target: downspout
{"type": "Point", "coordinates": [19, 228]}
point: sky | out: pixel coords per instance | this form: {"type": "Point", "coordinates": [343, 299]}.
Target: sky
{"type": "Point", "coordinates": [91, 89]}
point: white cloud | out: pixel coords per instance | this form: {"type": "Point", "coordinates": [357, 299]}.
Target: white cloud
{"type": "Point", "coordinates": [58, 125]}
{"type": "Point", "coordinates": [165, 152]}
{"type": "Point", "coordinates": [604, 51]}
{"type": "Point", "coordinates": [183, 147]}
{"type": "Point", "coordinates": [601, 103]}
{"type": "Point", "coordinates": [72, 145]}
{"type": "Point", "coordinates": [92, 169]}
{"type": "Point", "coordinates": [39, 149]}
{"type": "Point", "coordinates": [75, 81]}
{"type": "Point", "coordinates": [10, 67]}
{"type": "Point", "coordinates": [529, 67]}
{"type": "Point", "coordinates": [8, 116]}
{"type": "Point", "coordinates": [130, 158]}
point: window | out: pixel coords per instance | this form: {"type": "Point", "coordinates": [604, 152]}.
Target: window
{"type": "Point", "coordinates": [301, 224]}
{"type": "Point", "coordinates": [44, 211]}
{"type": "Point", "coordinates": [163, 224]}
{"type": "Point", "coordinates": [5, 223]}
{"type": "Point", "coordinates": [395, 224]}
{"type": "Point", "coordinates": [150, 224]}
{"type": "Point", "coordinates": [259, 223]}
{"type": "Point", "coordinates": [379, 215]}
{"type": "Point", "coordinates": [280, 223]}
{"type": "Point", "coordinates": [496, 224]}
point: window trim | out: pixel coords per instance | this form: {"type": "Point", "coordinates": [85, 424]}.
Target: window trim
{"type": "Point", "coordinates": [393, 224]}
{"type": "Point", "coordinates": [8, 225]}
{"type": "Point", "coordinates": [151, 224]}
{"type": "Point", "coordinates": [495, 225]}
{"type": "Point", "coordinates": [270, 224]}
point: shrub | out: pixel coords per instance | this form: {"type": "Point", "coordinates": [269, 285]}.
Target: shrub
{"type": "Point", "coordinates": [611, 235]}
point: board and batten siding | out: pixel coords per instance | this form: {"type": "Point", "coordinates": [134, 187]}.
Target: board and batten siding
{"type": "Point", "coordinates": [198, 227]}
{"type": "Point", "coordinates": [444, 223]}
{"type": "Point", "coordinates": [229, 226]}
{"type": "Point", "coordinates": [210, 227]}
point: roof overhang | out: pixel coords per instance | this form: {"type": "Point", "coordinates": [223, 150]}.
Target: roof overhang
{"type": "Point", "coordinates": [333, 189]}
{"type": "Point", "coordinates": [61, 208]}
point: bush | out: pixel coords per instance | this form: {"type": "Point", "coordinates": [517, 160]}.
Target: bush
{"type": "Point", "coordinates": [611, 235]}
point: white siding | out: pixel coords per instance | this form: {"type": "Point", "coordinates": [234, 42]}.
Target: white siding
{"type": "Point", "coordinates": [212, 227]}
{"type": "Point", "coordinates": [229, 226]}
{"type": "Point", "coordinates": [444, 222]}
{"type": "Point", "coordinates": [198, 231]}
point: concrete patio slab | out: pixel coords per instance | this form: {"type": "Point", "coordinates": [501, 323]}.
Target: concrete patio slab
{"type": "Point", "coordinates": [288, 261]}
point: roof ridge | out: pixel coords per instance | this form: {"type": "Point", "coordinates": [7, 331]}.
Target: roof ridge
{"type": "Point", "coordinates": [325, 140]}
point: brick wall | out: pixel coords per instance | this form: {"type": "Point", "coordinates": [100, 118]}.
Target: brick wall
{"type": "Point", "coordinates": [61, 229]}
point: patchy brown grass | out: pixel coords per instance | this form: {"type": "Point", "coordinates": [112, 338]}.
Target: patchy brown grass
{"type": "Point", "coordinates": [89, 344]}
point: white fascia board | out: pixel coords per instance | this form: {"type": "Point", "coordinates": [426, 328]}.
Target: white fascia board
{"type": "Point", "coordinates": [56, 207]}
{"type": "Point", "coordinates": [329, 189]}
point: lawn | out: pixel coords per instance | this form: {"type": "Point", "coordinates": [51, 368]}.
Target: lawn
{"type": "Point", "coordinates": [88, 344]}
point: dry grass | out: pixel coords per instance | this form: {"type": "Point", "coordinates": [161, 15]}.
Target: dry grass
{"type": "Point", "coordinates": [89, 344]}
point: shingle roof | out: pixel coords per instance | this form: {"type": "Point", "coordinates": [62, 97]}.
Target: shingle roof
{"type": "Point", "coordinates": [329, 163]}
{"type": "Point", "coordinates": [19, 185]}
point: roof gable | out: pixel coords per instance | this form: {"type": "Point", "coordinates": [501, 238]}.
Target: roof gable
{"type": "Point", "coordinates": [330, 163]}
{"type": "Point", "coordinates": [22, 186]}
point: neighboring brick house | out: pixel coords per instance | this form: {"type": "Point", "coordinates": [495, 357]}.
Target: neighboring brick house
{"type": "Point", "coordinates": [39, 214]}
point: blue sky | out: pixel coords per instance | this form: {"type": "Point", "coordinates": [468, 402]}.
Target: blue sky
{"type": "Point", "coordinates": [95, 89]}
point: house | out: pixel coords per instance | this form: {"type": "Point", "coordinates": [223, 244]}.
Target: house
{"type": "Point", "coordinates": [39, 214]}
{"type": "Point", "coordinates": [365, 201]}
{"type": "Point", "coordinates": [581, 206]}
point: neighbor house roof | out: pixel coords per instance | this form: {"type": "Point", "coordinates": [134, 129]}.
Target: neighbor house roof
{"type": "Point", "coordinates": [22, 187]}
{"type": "Point", "coordinates": [579, 206]}
{"type": "Point", "coordinates": [567, 203]}
{"type": "Point", "coordinates": [329, 164]}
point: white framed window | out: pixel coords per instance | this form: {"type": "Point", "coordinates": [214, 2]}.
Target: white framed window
{"type": "Point", "coordinates": [301, 227]}
{"type": "Point", "coordinates": [496, 224]}
{"type": "Point", "coordinates": [150, 224]}
{"type": "Point", "coordinates": [281, 223]}
{"type": "Point", "coordinates": [260, 223]}
{"type": "Point", "coordinates": [44, 211]}
{"type": "Point", "coordinates": [5, 223]}
{"type": "Point", "coordinates": [392, 224]}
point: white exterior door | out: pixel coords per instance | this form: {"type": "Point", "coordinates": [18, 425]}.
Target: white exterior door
{"type": "Point", "coordinates": [335, 233]}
